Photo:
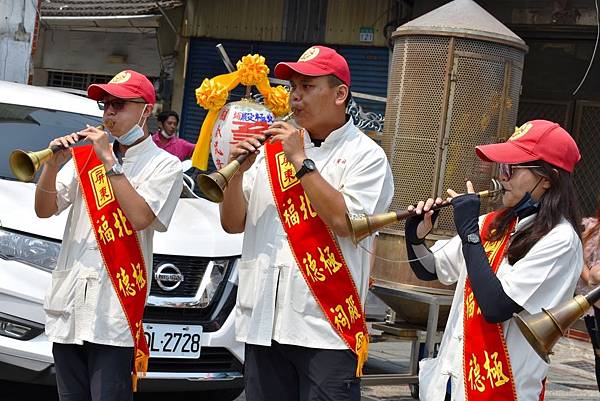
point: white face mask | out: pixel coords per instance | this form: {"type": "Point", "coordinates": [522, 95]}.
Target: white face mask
{"type": "Point", "coordinates": [166, 135]}
{"type": "Point", "coordinates": [134, 134]}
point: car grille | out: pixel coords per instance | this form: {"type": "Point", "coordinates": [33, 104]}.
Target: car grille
{"type": "Point", "coordinates": [191, 268]}
{"type": "Point", "coordinates": [212, 359]}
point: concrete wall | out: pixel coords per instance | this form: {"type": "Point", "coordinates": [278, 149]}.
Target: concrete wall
{"type": "Point", "coordinates": [16, 35]}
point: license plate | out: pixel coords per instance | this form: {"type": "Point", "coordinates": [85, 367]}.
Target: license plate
{"type": "Point", "coordinates": [173, 340]}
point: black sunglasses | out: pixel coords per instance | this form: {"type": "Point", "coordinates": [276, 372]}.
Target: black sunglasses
{"type": "Point", "coordinates": [116, 104]}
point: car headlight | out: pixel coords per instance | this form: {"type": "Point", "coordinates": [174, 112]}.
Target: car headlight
{"type": "Point", "coordinates": [215, 272]}
{"type": "Point", "coordinates": [36, 252]}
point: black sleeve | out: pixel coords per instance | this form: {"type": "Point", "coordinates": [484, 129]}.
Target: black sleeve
{"type": "Point", "coordinates": [411, 240]}
{"type": "Point", "coordinates": [495, 305]}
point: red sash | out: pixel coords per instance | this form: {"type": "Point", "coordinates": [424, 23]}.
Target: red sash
{"type": "Point", "coordinates": [119, 248]}
{"type": "Point", "coordinates": [317, 255]}
{"type": "Point", "coordinates": [486, 365]}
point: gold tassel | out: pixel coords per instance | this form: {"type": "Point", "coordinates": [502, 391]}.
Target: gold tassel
{"type": "Point", "coordinates": [140, 368]}
{"type": "Point", "coordinates": [362, 352]}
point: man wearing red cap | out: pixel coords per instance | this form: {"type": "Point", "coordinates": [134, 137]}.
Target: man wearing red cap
{"type": "Point", "coordinates": [302, 282]}
{"type": "Point", "coordinates": [525, 256]}
{"type": "Point", "coordinates": [119, 195]}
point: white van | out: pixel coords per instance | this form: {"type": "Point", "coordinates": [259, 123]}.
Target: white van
{"type": "Point", "coordinates": [194, 279]}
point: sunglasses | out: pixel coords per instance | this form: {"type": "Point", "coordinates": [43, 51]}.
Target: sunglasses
{"type": "Point", "coordinates": [507, 170]}
{"type": "Point", "coordinates": [117, 105]}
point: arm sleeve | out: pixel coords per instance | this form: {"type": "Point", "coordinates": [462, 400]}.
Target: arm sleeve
{"type": "Point", "coordinates": [161, 192]}
{"type": "Point", "coordinates": [494, 303]}
{"type": "Point", "coordinates": [421, 260]}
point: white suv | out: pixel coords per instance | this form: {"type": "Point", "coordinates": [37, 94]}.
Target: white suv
{"type": "Point", "coordinates": [194, 280]}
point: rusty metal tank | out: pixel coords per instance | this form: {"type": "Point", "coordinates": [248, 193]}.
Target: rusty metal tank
{"type": "Point", "coordinates": [454, 83]}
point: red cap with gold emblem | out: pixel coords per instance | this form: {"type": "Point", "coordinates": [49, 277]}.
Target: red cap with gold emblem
{"type": "Point", "coordinates": [315, 62]}
{"type": "Point", "coordinates": [534, 140]}
{"type": "Point", "coordinates": [127, 84]}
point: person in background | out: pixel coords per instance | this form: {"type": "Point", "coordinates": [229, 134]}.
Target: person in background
{"type": "Point", "coordinates": [167, 137]}
{"type": "Point", "coordinates": [590, 277]}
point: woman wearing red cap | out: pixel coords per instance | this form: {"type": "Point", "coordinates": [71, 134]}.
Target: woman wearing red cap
{"type": "Point", "coordinates": [525, 256]}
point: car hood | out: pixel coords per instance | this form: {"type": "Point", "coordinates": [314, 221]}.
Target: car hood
{"type": "Point", "coordinates": [195, 229]}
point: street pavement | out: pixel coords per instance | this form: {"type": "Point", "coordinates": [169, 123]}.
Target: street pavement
{"type": "Point", "coordinates": [571, 377]}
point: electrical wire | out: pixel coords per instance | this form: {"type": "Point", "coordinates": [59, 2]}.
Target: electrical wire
{"type": "Point", "coordinates": [594, 53]}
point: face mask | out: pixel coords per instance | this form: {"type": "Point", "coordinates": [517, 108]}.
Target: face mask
{"type": "Point", "coordinates": [134, 134]}
{"type": "Point", "coordinates": [527, 205]}
{"type": "Point", "coordinates": [166, 135]}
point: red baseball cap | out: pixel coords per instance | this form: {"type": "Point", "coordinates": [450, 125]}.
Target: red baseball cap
{"type": "Point", "coordinates": [127, 84]}
{"type": "Point", "coordinates": [315, 62]}
{"type": "Point", "coordinates": [534, 140]}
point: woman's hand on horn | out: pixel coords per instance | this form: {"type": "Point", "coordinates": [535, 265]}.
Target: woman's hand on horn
{"type": "Point", "coordinates": [466, 211]}
{"type": "Point", "coordinates": [423, 208]}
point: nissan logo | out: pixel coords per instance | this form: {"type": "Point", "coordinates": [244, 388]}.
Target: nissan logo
{"type": "Point", "coordinates": [168, 277]}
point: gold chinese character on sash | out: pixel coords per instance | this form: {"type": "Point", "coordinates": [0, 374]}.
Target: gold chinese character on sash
{"type": "Point", "coordinates": [291, 214]}
{"type": "Point", "coordinates": [306, 207]}
{"type": "Point", "coordinates": [471, 306]}
{"type": "Point", "coordinates": [138, 330]}
{"type": "Point", "coordinates": [328, 259]}
{"type": "Point", "coordinates": [125, 284]}
{"type": "Point", "coordinates": [138, 276]}
{"type": "Point", "coordinates": [352, 309]}
{"type": "Point", "coordinates": [103, 194]}
{"type": "Point", "coordinates": [310, 265]}
{"type": "Point", "coordinates": [105, 232]}
{"type": "Point", "coordinates": [341, 319]}
{"type": "Point", "coordinates": [494, 373]}
{"type": "Point", "coordinates": [121, 223]}
{"type": "Point", "coordinates": [475, 378]}
{"type": "Point", "coordinates": [492, 248]}
{"type": "Point", "coordinates": [286, 172]}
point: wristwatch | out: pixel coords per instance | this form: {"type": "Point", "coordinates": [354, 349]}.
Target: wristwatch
{"type": "Point", "coordinates": [116, 169]}
{"type": "Point", "coordinates": [307, 167]}
{"type": "Point", "coordinates": [473, 238]}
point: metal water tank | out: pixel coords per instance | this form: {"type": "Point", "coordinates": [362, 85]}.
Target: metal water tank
{"type": "Point", "coordinates": [454, 83]}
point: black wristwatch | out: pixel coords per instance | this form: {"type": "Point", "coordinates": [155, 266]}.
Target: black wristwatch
{"type": "Point", "coordinates": [307, 167]}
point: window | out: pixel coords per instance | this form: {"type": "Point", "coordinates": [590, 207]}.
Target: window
{"type": "Point", "coordinates": [74, 80]}
{"type": "Point", "coordinates": [31, 129]}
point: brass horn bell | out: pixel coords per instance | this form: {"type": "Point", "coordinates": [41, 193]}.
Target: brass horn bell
{"type": "Point", "coordinates": [362, 225]}
{"type": "Point", "coordinates": [543, 330]}
{"type": "Point", "coordinates": [25, 164]}
{"type": "Point", "coordinates": [213, 184]}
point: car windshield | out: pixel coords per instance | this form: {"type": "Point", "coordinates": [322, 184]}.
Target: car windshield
{"type": "Point", "coordinates": [32, 128]}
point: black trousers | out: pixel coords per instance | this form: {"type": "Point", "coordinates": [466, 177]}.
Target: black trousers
{"type": "Point", "coordinates": [592, 324]}
{"type": "Point", "coordinates": [93, 372]}
{"type": "Point", "coordinates": [291, 373]}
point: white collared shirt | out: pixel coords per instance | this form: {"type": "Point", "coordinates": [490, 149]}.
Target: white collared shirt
{"type": "Point", "coordinates": [274, 302]}
{"type": "Point", "coordinates": [81, 304]}
{"type": "Point", "coordinates": [543, 278]}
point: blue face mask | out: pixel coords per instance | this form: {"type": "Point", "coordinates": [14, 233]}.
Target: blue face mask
{"type": "Point", "coordinates": [134, 134]}
{"type": "Point", "coordinates": [527, 205]}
